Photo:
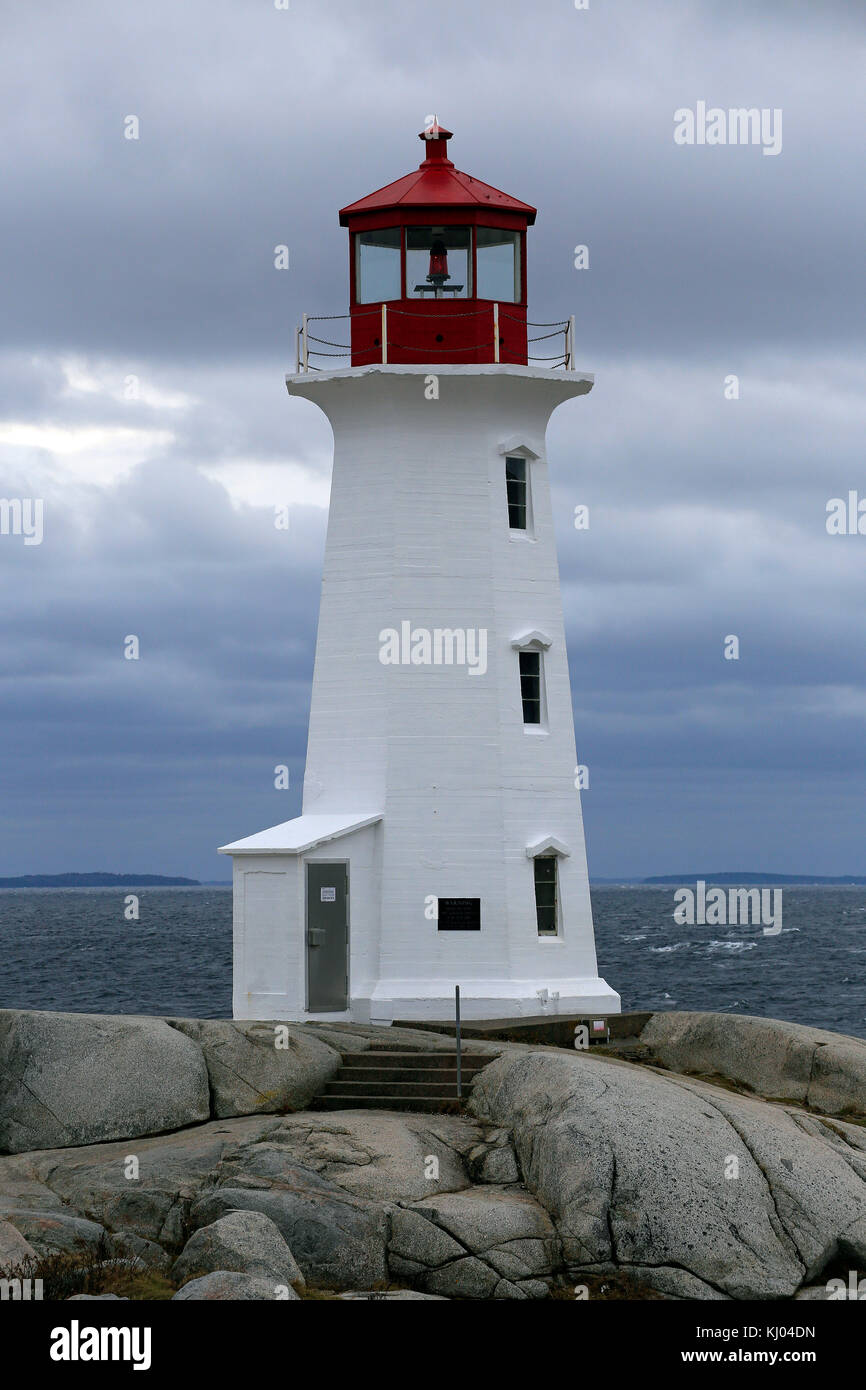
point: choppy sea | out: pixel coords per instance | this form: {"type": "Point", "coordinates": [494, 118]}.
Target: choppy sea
{"type": "Point", "coordinates": [74, 950]}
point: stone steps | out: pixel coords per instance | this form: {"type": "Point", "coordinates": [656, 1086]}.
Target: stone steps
{"type": "Point", "coordinates": [389, 1078]}
{"type": "Point", "coordinates": [348, 1086]}
{"type": "Point", "coordinates": [417, 1104]}
{"type": "Point", "coordinates": [379, 1058]}
{"type": "Point", "coordinates": [395, 1076]}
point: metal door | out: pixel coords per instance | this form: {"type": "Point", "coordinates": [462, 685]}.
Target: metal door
{"type": "Point", "coordinates": [327, 937]}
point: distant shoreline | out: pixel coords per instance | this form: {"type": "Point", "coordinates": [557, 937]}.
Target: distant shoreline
{"type": "Point", "coordinates": [744, 879]}
{"type": "Point", "coordinates": [735, 879]}
{"type": "Point", "coordinates": [98, 880]}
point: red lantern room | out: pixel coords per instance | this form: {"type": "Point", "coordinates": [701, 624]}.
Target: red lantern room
{"type": "Point", "coordinates": [437, 267]}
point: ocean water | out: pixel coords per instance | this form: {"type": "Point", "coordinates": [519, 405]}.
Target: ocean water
{"type": "Point", "coordinates": [813, 972]}
{"type": "Point", "coordinates": [73, 950]}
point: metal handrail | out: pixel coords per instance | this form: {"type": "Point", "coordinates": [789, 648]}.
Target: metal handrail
{"type": "Point", "coordinates": [457, 1036]}
{"type": "Point", "coordinates": [304, 338]}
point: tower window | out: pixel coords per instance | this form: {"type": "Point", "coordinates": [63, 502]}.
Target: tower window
{"type": "Point", "coordinates": [377, 265]}
{"type": "Point", "coordinates": [497, 256]}
{"type": "Point", "coordinates": [516, 488]}
{"type": "Point", "coordinates": [546, 895]}
{"type": "Point", "coordinates": [530, 686]}
{"type": "Point", "coordinates": [438, 263]}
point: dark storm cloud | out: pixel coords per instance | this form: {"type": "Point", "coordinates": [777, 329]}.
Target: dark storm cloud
{"type": "Point", "coordinates": [221, 691]}
{"type": "Point", "coordinates": [155, 258]}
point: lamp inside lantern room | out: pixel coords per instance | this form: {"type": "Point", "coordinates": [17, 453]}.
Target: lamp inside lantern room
{"type": "Point", "coordinates": [436, 242]}
{"type": "Point", "coordinates": [438, 272]}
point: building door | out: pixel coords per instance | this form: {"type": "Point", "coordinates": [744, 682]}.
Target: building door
{"type": "Point", "coordinates": [327, 937]}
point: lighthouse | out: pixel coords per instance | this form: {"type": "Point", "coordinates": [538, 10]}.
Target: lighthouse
{"type": "Point", "coordinates": [441, 841]}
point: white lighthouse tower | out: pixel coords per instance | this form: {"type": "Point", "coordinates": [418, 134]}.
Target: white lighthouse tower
{"type": "Point", "coordinates": [441, 839]}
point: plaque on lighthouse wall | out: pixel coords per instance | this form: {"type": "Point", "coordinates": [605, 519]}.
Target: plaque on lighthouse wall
{"type": "Point", "coordinates": [459, 914]}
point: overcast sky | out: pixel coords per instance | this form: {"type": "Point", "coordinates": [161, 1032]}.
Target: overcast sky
{"type": "Point", "coordinates": [154, 259]}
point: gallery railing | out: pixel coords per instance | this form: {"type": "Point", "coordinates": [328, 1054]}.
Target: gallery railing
{"type": "Point", "coordinates": [310, 345]}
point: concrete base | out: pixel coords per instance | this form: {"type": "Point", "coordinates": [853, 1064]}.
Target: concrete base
{"type": "Point", "coordinates": [492, 1000]}
{"type": "Point", "coordinates": [419, 1002]}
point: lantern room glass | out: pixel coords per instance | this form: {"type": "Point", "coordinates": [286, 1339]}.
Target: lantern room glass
{"type": "Point", "coordinates": [498, 264]}
{"type": "Point", "coordinates": [438, 263]}
{"type": "Point", "coordinates": [377, 265]}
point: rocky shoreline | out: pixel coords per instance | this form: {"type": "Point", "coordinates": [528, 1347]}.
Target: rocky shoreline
{"type": "Point", "coordinates": [703, 1157]}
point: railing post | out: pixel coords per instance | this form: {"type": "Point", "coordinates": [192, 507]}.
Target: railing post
{"type": "Point", "coordinates": [495, 332]}
{"type": "Point", "coordinates": [457, 1033]}
{"type": "Point", "coordinates": [570, 353]}
{"type": "Point", "coordinates": [297, 351]}
{"type": "Point", "coordinates": [385, 333]}
{"type": "Point", "coordinates": [305, 344]}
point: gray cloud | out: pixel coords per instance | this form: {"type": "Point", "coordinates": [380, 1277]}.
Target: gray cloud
{"type": "Point", "coordinates": [155, 258]}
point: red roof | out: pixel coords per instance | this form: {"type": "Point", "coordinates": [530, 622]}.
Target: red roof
{"type": "Point", "coordinates": [437, 184]}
